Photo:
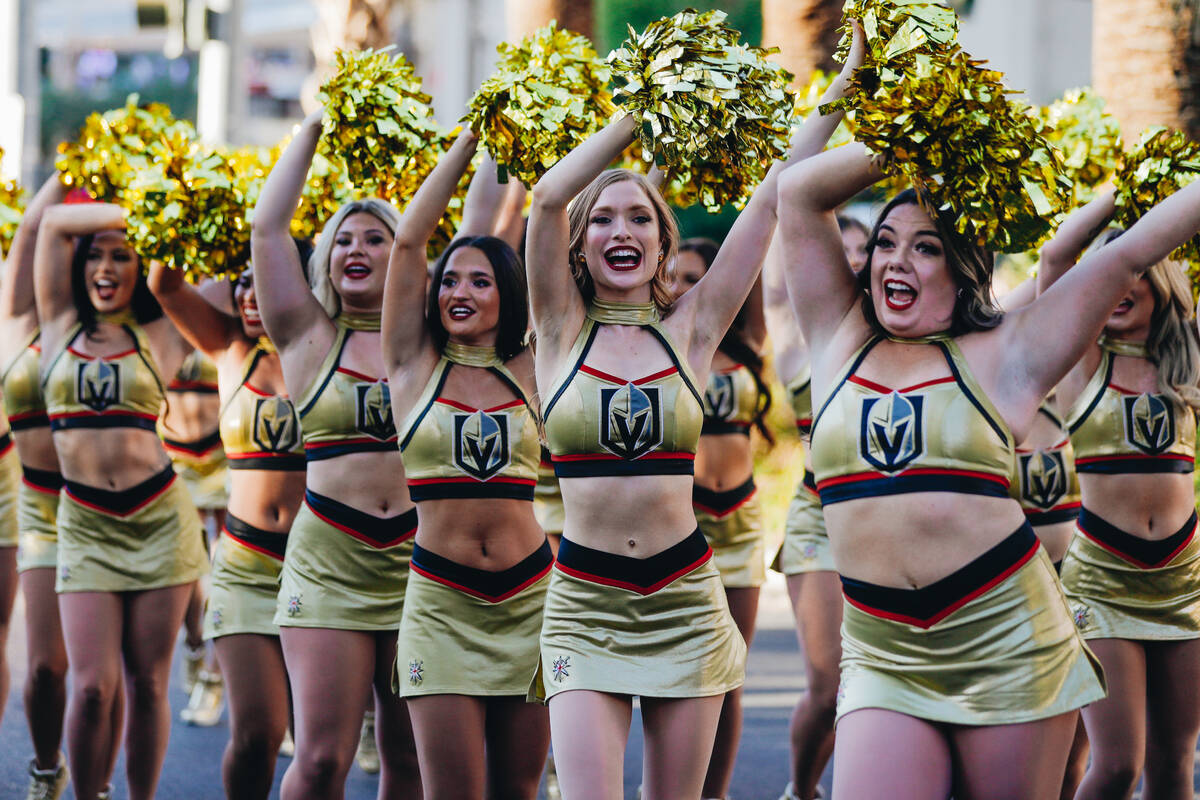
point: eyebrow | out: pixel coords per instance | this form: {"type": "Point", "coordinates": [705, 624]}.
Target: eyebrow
{"type": "Point", "coordinates": [475, 273]}
{"type": "Point", "coordinates": [934, 234]}
{"type": "Point", "coordinates": [636, 207]}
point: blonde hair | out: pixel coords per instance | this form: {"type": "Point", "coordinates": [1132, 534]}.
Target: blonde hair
{"type": "Point", "coordinates": [318, 264]}
{"type": "Point", "coordinates": [579, 212]}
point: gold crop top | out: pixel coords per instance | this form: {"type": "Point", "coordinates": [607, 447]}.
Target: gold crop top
{"type": "Point", "coordinates": [345, 411]}
{"type": "Point", "coordinates": [942, 435]}
{"type": "Point", "coordinates": [730, 401]}
{"type": "Point", "coordinates": [799, 391]}
{"type": "Point", "coordinates": [452, 450]}
{"type": "Point", "coordinates": [196, 374]}
{"type": "Point", "coordinates": [118, 391]}
{"type": "Point", "coordinates": [1044, 480]}
{"type": "Point", "coordinates": [23, 401]}
{"type": "Point", "coordinates": [599, 424]}
{"type": "Point", "coordinates": [260, 430]}
{"type": "Point", "coordinates": [1119, 431]}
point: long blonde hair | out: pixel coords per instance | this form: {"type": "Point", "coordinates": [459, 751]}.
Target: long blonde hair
{"type": "Point", "coordinates": [579, 212]}
{"type": "Point", "coordinates": [318, 264]}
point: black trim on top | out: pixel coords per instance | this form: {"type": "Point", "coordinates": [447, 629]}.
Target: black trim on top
{"type": "Point", "coordinates": [137, 345]}
{"type": "Point", "coordinates": [463, 490]}
{"type": "Point", "coordinates": [328, 376]}
{"type": "Point", "coordinates": [620, 467]}
{"type": "Point", "coordinates": [257, 538]}
{"type": "Point", "coordinates": [196, 447]}
{"type": "Point", "coordinates": [721, 503]}
{"type": "Point", "coordinates": [1135, 549]}
{"type": "Point", "coordinates": [1137, 465]}
{"type": "Point", "coordinates": [110, 420]}
{"type": "Point", "coordinates": [191, 388]}
{"type": "Point", "coordinates": [6, 441]}
{"type": "Point", "coordinates": [1052, 517]}
{"type": "Point", "coordinates": [44, 479]}
{"type": "Point", "coordinates": [481, 582]}
{"type": "Point", "coordinates": [1050, 415]}
{"type": "Point", "coordinates": [675, 360]}
{"type": "Point", "coordinates": [905, 484]}
{"type": "Point", "coordinates": [412, 429]}
{"type": "Point", "coordinates": [810, 481]}
{"type": "Point", "coordinates": [320, 453]}
{"type": "Point", "coordinates": [643, 573]}
{"type": "Point", "coordinates": [715, 426]}
{"type": "Point", "coordinates": [862, 355]}
{"type": "Point", "coordinates": [928, 602]}
{"type": "Point", "coordinates": [954, 370]}
{"type": "Point", "coordinates": [587, 345]}
{"type": "Point", "coordinates": [1087, 412]}
{"type": "Point", "coordinates": [124, 501]}
{"type": "Point", "coordinates": [291, 462]}
{"type": "Point", "coordinates": [381, 530]}
{"type": "Point", "coordinates": [38, 419]}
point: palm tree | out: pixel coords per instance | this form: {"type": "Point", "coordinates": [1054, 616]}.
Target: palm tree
{"type": "Point", "coordinates": [346, 25]}
{"type": "Point", "coordinates": [526, 16]}
{"type": "Point", "coordinates": [805, 31]}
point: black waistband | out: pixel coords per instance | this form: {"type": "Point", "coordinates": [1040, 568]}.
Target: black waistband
{"type": "Point", "coordinates": [5, 441]}
{"type": "Point", "coordinates": [490, 586]}
{"type": "Point", "coordinates": [266, 542]}
{"type": "Point", "coordinates": [1134, 549]}
{"type": "Point", "coordinates": [1052, 517]}
{"type": "Point", "coordinates": [1135, 464]}
{"type": "Point", "coordinates": [810, 481]}
{"type": "Point", "coordinates": [111, 420]}
{"type": "Point", "coordinates": [376, 531]}
{"type": "Point", "coordinates": [126, 500]}
{"type": "Point", "coordinates": [44, 479]}
{"type": "Point", "coordinates": [197, 447]}
{"type": "Point", "coordinates": [641, 575]}
{"type": "Point", "coordinates": [601, 466]}
{"type": "Point", "coordinates": [927, 605]}
{"type": "Point", "coordinates": [192, 387]}
{"type": "Point", "coordinates": [721, 503]}
{"type": "Point", "coordinates": [319, 451]}
{"type": "Point", "coordinates": [715, 426]}
{"type": "Point", "coordinates": [279, 462]}
{"type": "Point", "coordinates": [872, 484]}
{"type": "Point", "coordinates": [24, 422]}
{"type": "Point", "coordinates": [453, 489]}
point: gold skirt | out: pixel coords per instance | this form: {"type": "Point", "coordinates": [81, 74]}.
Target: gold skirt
{"type": "Point", "coordinates": [1003, 652]}
{"type": "Point", "coordinates": [37, 514]}
{"type": "Point", "coordinates": [206, 477]}
{"type": "Point", "coordinates": [10, 487]}
{"type": "Point", "coordinates": [1118, 589]}
{"type": "Point", "coordinates": [732, 523]}
{"type": "Point", "coordinates": [146, 537]}
{"type": "Point", "coordinates": [805, 545]}
{"type": "Point", "coordinates": [653, 627]}
{"type": "Point", "coordinates": [470, 632]}
{"type": "Point", "coordinates": [547, 499]}
{"type": "Point", "coordinates": [344, 569]}
{"type": "Point", "coordinates": [245, 581]}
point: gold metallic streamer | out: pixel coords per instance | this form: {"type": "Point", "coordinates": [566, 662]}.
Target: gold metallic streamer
{"type": "Point", "coordinates": [1164, 162]}
{"type": "Point", "coordinates": [1088, 138]}
{"type": "Point", "coordinates": [12, 208]}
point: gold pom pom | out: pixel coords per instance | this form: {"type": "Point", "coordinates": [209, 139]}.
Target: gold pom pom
{"type": "Point", "coordinates": [376, 116]}
{"type": "Point", "coordinates": [715, 113]}
{"type": "Point", "coordinates": [1164, 162]}
{"type": "Point", "coordinates": [547, 96]}
{"type": "Point", "coordinates": [895, 28]}
{"type": "Point", "coordinates": [1087, 137]}
{"type": "Point", "coordinates": [12, 208]}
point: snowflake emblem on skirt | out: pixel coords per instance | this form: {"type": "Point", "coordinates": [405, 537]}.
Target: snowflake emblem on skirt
{"type": "Point", "coordinates": [416, 671]}
{"type": "Point", "coordinates": [217, 619]}
{"type": "Point", "coordinates": [560, 667]}
{"type": "Point", "coordinates": [293, 606]}
{"type": "Point", "coordinates": [810, 551]}
{"type": "Point", "coordinates": [1083, 617]}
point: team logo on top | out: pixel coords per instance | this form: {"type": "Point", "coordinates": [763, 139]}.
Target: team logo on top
{"type": "Point", "coordinates": [374, 417]}
{"type": "Point", "coordinates": [481, 443]}
{"type": "Point", "coordinates": [1043, 477]}
{"type": "Point", "coordinates": [276, 429]}
{"type": "Point", "coordinates": [190, 371]}
{"type": "Point", "coordinates": [98, 384]}
{"type": "Point", "coordinates": [1149, 423]}
{"type": "Point", "coordinates": [719, 397]}
{"type": "Point", "coordinates": [630, 420]}
{"type": "Point", "coordinates": [892, 433]}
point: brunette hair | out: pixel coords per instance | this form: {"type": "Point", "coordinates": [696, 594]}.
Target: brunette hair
{"type": "Point", "coordinates": [318, 264]}
{"type": "Point", "coordinates": [510, 283]}
{"type": "Point", "coordinates": [144, 306]}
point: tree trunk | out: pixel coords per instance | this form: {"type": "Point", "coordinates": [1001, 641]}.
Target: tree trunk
{"type": "Point", "coordinates": [1146, 63]}
{"type": "Point", "coordinates": [345, 25]}
{"type": "Point", "coordinates": [806, 33]}
{"type": "Point", "coordinates": [526, 16]}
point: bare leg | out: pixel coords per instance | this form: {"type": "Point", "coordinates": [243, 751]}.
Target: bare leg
{"type": "Point", "coordinates": [1116, 725]}
{"type": "Point", "coordinates": [999, 762]}
{"type": "Point", "coordinates": [8, 596]}
{"type": "Point", "coordinates": [152, 619]}
{"type": "Point", "coordinates": [399, 772]}
{"type": "Point", "coordinates": [258, 712]}
{"type": "Point", "coordinates": [46, 677]}
{"type": "Point", "coordinates": [1173, 718]}
{"type": "Point", "coordinates": [518, 738]}
{"type": "Point", "coordinates": [884, 755]}
{"type": "Point", "coordinates": [1076, 762]}
{"type": "Point", "coordinates": [449, 731]}
{"type": "Point", "coordinates": [589, 731]}
{"type": "Point", "coordinates": [330, 673]}
{"type": "Point", "coordinates": [817, 604]}
{"type": "Point", "coordinates": [679, 736]}
{"type": "Point", "coordinates": [743, 605]}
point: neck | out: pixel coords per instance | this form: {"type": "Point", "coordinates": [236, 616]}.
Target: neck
{"type": "Point", "coordinates": [623, 313]}
{"type": "Point", "coordinates": [470, 355]}
{"type": "Point", "coordinates": [359, 320]}
{"type": "Point", "coordinates": [1135, 347]}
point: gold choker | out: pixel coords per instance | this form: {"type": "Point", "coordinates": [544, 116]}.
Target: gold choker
{"type": "Point", "coordinates": [1124, 347]}
{"type": "Point", "coordinates": [359, 322]}
{"type": "Point", "coordinates": [611, 312]}
{"type": "Point", "coordinates": [470, 355]}
{"type": "Point", "coordinates": [266, 345]}
{"type": "Point", "coordinates": [123, 317]}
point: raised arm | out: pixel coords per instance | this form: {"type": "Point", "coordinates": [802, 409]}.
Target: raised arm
{"type": "Point", "coordinates": [52, 261]}
{"type": "Point", "coordinates": [1072, 238]}
{"type": "Point", "coordinates": [289, 309]}
{"type": "Point", "coordinates": [510, 222]}
{"type": "Point", "coordinates": [405, 334]}
{"type": "Point", "coordinates": [484, 198]}
{"type": "Point", "coordinates": [204, 326]}
{"type": "Point", "coordinates": [18, 313]}
{"type": "Point", "coordinates": [556, 306]}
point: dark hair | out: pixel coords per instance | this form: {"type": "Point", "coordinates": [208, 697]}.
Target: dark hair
{"type": "Point", "coordinates": [970, 266]}
{"type": "Point", "coordinates": [734, 343]}
{"type": "Point", "coordinates": [304, 248]}
{"type": "Point", "coordinates": [846, 222]}
{"type": "Point", "coordinates": [510, 283]}
{"type": "Point", "coordinates": [145, 308]}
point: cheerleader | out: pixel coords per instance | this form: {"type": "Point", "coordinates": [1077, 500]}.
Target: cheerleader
{"type": "Point", "coordinates": [473, 606]}
{"type": "Point", "coordinates": [129, 537]}
{"type": "Point", "coordinates": [260, 435]}
{"type": "Point", "coordinates": [342, 585]}
{"type": "Point", "coordinates": [1131, 571]}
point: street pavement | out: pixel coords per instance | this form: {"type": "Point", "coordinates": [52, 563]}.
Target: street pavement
{"type": "Point", "coordinates": [192, 770]}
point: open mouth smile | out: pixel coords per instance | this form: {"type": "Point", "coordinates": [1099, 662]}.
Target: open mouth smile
{"type": "Point", "coordinates": [460, 312]}
{"type": "Point", "coordinates": [623, 259]}
{"type": "Point", "coordinates": [356, 271]}
{"type": "Point", "coordinates": [898, 295]}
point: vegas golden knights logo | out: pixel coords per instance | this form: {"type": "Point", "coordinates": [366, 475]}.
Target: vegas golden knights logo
{"type": "Point", "coordinates": [1149, 423]}
{"type": "Point", "coordinates": [630, 420]}
{"type": "Point", "coordinates": [1043, 477]}
{"type": "Point", "coordinates": [892, 434]}
{"type": "Point", "coordinates": [374, 417]}
{"type": "Point", "coordinates": [191, 370]}
{"type": "Point", "coordinates": [718, 396]}
{"type": "Point", "coordinates": [98, 384]}
{"type": "Point", "coordinates": [276, 429]}
{"type": "Point", "coordinates": [481, 443]}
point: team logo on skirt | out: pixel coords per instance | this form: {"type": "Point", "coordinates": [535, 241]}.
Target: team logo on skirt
{"type": "Point", "coordinates": [98, 384]}
{"type": "Point", "coordinates": [275, 427]}
{"type": "Point", "coordinates": [630, 420]}
{"type": "Point", "coordinates": [1149, 423]}
{"type": "Point", "coordinates": [293, 606]}
{"type": "Point", "coordinates": [560, 667]}
{"type": "Point", "coordinates": [1043, 477]}
{"type": "Point", "coordinates": [718, 396]}
{"type": "Point", "coordinates": [1083, 617]}
{"type": "Point", "coordinates": [481, 443]}
{"type": "Point", "coordinates": [217, 619]}
{"type": "Point", "coordinates": [416, 672]}
{"type": "Point", "coordinates": [374, 417]}
{"type": "Point", "coordinates": [892, 433]}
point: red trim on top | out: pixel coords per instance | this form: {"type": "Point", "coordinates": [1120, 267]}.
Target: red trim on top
{"type": "Point", "coordinates": [117, 413]}
{"type": "Point", "coordinates": [1121, 554]}
{"type": "Point", "coordinates": [464, 407]}
{"type": "Point", "coordinates": [360, 376]}
{"type": "Point", "coordinates": [188, 451]}
{"type": "Point", "coordinates": [879, 387]}
{"type": "Point", "coordinates": [1123, 390]}
{"type": "Point", "coordinates": [263, 393]}
{"type": "Point", "coordinates": [1053, 448]}
{"type": "Point", "coordinates": [605, 376]}
{"type": "Point", "coordinates": [1063, 507]}
{"type": "Point", "coordinates": [496, 479]}
{"type": "Point", "coordinates": [133, 510]}
{"type": "Point", "coordinates": [719, 514]}
{"type": "Point", "coordinates": [611, 457]}
{"type": "Point", "coordinates": [923, 384]}
{"type": "Point", "coordinates": [113, 357]}
{"type": "Point", "coordinates": [480, 595]}
{"type": "Point", "coordinates": [870, 476]}
{"type": "Point", "coordinates": [262, 550]}
{"type": "Point", "coordinates": [361, 537]}
{"type": "Point", "coordinates": [1133, 457]}
{"type": "Point", "coordinates": [342, 442]}
{"type": "Point", "coordinates": [633, 587]}
{"type": "Point", "coordinates": [27, 415]}
{"type": "Point", "coordinates": [263, 454]}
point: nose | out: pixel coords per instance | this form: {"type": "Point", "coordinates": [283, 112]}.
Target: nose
{"type": "Point", "coordinates": [620, 228]}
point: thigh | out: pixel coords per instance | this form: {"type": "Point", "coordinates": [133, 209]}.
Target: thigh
{"type": "Point", "coordinates": [1173, 693]}
{"type": "Point", "coordinates": [93, 625]}
{"type": "Point", "coordinates": [679, 736]}
{"type": "Point", "coordinates": [743, 607]}
{"type": "Point", "coordinates": [589, 731]}
{"type": "Point", "coordinates": [152, 620]}
{"type": "Point", "coordinates": [518, 739]}
{"type": "Point", "coordinates": [449, 732]}
{"type": "Point", "coordinates": [890, 756]}
{"type": "Point", "coordinates": [8, 586]}
{"type": "Point", "coordinates": [255, 680]}
{"type": "Point", "coordinates": [817, 605]}
{"type": "Point", "coordinates": [1116, 725]}
{"type": "Point", "coordinates": [330, 673]}
{"type": "Point", "coordinates": [997, 762]}
{"type": "Point", "coordinates": [43, 625]}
